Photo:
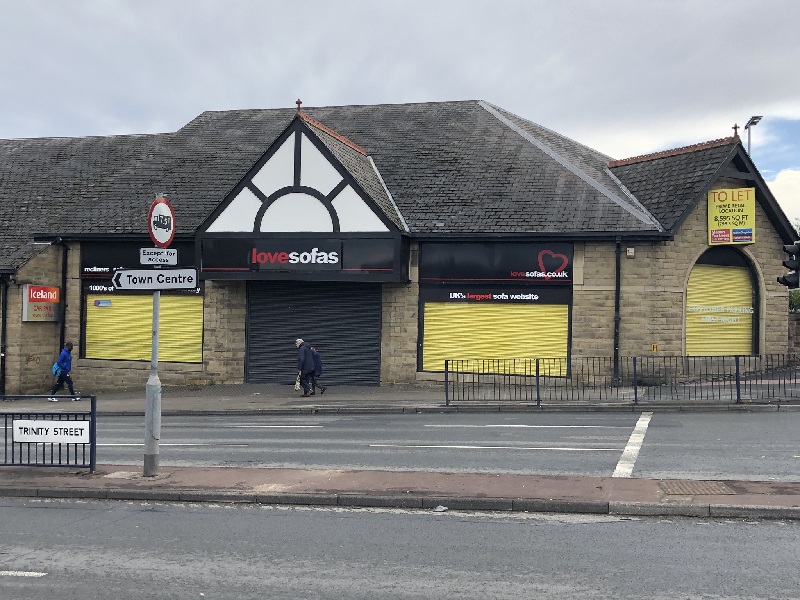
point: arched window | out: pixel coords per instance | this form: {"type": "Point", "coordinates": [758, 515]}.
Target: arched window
{"type": "Point", "coordinates": [721, 302]}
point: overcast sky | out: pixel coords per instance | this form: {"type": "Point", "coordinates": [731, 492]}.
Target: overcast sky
{"type": "Point", "coordinates": [625, 77]}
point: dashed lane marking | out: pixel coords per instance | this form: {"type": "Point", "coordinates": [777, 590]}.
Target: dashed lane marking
{"type": "Point", "coordinates": [21, 574]}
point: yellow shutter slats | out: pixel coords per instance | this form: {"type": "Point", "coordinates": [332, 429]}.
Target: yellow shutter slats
{"type": "Point", "coordinates": [486, 331]}
{"type": "Point", "coordinates": [719, 311]}
{"type": "Point", "coordinates": [121, 327]}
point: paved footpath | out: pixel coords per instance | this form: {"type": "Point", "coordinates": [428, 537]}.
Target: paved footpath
{"type": "Point", "coordinates": [363, 488]}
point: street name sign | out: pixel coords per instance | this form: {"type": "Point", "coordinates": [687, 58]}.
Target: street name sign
{"type": "Point", "coordinates": [155, 279]}
{"type": "Point", "coordinates": [50, 432]}
{"type": "Point", "coordinates": [158, 256]}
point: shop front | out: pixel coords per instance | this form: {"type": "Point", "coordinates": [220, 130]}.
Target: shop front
{"type": "Point", "coordinates": [494, 300]}
{"type": "Point", "coordinates": [324, 289]}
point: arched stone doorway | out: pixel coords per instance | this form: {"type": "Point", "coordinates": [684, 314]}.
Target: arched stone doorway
{"type": "Point", "coordinates": [721, 305]}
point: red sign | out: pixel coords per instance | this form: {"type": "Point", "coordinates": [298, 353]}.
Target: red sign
{"type": "Point", "coordinates": [40, 303]}
{"type": "Point", "coordinates": [719, 236]}
{"type": "Point", "coordinates": [161, 223]}
{"type": "Point", "coordinates": [40, 293]}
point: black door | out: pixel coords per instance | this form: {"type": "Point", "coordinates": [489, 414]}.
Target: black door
{"type": "Point", "coordinates": [342, 320]}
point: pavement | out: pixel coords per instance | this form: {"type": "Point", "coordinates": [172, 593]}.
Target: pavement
{"type": "Point", "coordinates": [623, 496]}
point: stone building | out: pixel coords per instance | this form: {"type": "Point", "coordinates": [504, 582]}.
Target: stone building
{"type": "Point", "coordinates": [393, 237]}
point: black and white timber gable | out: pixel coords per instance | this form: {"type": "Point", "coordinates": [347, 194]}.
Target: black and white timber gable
{"type": "Point", "coordinates": [299, 185]}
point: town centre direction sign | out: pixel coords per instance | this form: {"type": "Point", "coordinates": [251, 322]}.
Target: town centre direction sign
{"type": "Point", "coordinates": [155, 279]}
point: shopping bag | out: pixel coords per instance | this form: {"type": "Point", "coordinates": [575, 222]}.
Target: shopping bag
{"type": "Point", "coordinates": [297, 383]}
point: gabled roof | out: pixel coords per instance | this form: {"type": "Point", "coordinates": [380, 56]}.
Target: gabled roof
{"type": "Point", "coordinates": [310, 170]}
{"type": "Point", "coordinates": [360, 166]}
{"type": "Point", "coordinates": [460, 168]}
{"type": "Point", "coordinates": [65, 184]}
{"type": "Point", "coordinates": [435, 169]}
{"type": "Point", "coordinates": [671, 183]}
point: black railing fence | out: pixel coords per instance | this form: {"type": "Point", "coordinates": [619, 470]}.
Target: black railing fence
{"type": "Point", "coordinates": [630, 379]}
{"type": "Point", "coordinates": [46, 437]}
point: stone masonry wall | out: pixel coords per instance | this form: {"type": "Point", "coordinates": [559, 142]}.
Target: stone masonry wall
{"type": "Point", "coordinates": [399, 328]}
{"type": "Point", "coordinates": [33, 347]}
{"type": "Point", "coordinates": [224, 331]}
{"type": "Point", "coordinates": [223, 350]}
{"type": "Point", "coordinates": [794, 333]}
{"type": "Point", "coordinates": [653, 290]}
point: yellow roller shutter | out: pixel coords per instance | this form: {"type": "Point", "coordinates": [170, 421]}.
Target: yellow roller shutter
{"type": "Point", "coordinates": [486, 331]}
{"type": "Point", "coordinates": [120, 327]}
{"type": "Point", "coordinates": [719, 311]}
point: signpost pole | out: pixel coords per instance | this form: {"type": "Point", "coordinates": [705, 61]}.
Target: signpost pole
{"type": "Point", "coordinates": [161, 226]}
{"type": "Point", "coordinates": [152, 417]}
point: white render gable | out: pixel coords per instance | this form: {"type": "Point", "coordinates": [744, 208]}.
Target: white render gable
{"type": "Point", "coordinates": [312, 196]}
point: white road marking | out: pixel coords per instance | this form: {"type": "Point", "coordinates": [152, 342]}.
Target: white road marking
{"type": "Point", "coordinates": [270, 427]}
{"type": "Point", "coordinates": [176, 444]}
{"type": "Point", "coordinates": [561, 449]}
{"type": "Point", "coordinates": [537, 426]}
{"type": "Point", "coordinates": [631, 452]}
{"type": "Point", "coordinates": [21, 574]}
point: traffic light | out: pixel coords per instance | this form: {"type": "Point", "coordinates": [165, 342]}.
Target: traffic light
{"type": "Point", "coordinates": [791, 280]}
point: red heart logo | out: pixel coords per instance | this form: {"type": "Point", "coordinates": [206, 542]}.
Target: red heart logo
{"type": "Point", "coordinates": [563, 258]}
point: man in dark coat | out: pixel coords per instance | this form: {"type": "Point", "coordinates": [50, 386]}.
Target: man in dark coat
{"type": "Point", "coordinates": [317, 372]}
{"type": "Point", "coordinates": [305, 365]}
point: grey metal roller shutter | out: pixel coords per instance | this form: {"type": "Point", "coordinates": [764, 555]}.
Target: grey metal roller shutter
{"type": "Point", "coordinates": [342, 320]}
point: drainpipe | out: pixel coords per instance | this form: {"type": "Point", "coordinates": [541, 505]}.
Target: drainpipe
{"type": "Point", "coordinates": [63, 307]}
{"type": "Point", "coordinates": [617, 285]}
{"type": "Point", "coordinates": [3, 325]}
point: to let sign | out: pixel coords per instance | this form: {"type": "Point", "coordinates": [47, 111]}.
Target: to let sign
{"type": "Point", "coordinates": [155, 279]}
{"type": "Point", "coordinates": [732, 216]}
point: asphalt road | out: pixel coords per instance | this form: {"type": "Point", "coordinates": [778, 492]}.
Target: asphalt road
{"type": "Point", "coordinates": [756, 446]}
{"type": "Point", "coordinates": [80, 550]}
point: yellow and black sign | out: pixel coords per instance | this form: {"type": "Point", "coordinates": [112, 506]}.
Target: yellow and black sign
{"type": "Point", "coordinates": [732, 216]}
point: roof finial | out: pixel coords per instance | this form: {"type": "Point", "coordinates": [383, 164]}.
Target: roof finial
{"type": "Point", "coordinates": [298, 102]}
{"type": "Point", "coordinates": [735, 129]}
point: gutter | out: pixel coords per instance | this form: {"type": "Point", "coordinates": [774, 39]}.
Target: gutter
{"type": "Point", "coordinates": [617, 316]}
{"type": "Point", "coordinates": [63, 307]}
{"type": "Point", "coordinates": [3, 331]}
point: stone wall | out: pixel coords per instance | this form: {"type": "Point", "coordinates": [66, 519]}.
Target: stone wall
{"type": "Point", "coordinates": [399, 327]}
{"type": "Point", "coordinates": [653, 290]}
{"type": "Point", "coordinates": [794, 333]}
{"type": "Point", "coordinates": [652, 306]}
{"type": "Point", "coordinates": [33, 347]}
{"type": "Point", "coordinates": [224, 331]}
{"type": "Point", "coordinates": [224, 318]}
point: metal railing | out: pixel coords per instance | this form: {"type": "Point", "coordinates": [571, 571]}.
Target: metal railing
{"type": "Point", "coordinates": [36, 428]}
{"type": "Point", "coordinates": [630, 379]}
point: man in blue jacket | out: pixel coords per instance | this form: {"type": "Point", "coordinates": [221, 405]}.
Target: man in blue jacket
{"type": "Point", "coordinates": [305, 365]}
{"type": "Point", "coordinates": [64, 363]}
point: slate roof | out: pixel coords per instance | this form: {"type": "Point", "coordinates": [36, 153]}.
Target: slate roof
{"type": "Point", "coordinates": [451, 169]}
{"type": "Point", "coordinates": [668, 183]}
{"type": "Point", "coordinates": [358, 164]}
{"type": "Point", "coordinates": [63, 184]}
